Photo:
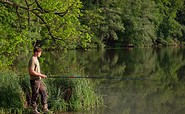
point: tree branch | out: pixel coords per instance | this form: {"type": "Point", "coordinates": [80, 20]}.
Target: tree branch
{"type": "Point", "coordinates": [28, 12]}
{"type": "Point", "coordinates": [27, 8]}
{"type": "Point", "coordinates": [41, 10]}
{"type": "Point", "coordinates": [61, 14]}
{"type": "Point", "coordinates": [39, 6]}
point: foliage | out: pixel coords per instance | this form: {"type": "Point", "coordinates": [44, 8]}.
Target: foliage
{"type": "Point", "coordinates": [136, 22]}
{"type": "Point", "coordinates": [10, 39]}
{"type": "Point", "coordinates": [104, 19]}
{"type": "Point", "coordinates": [54, 21]}
{"type": "Point", "coordinates": [12, 96]}
{"type": "Point", "coordinates": [169, 27]}
{"type": "Point", "coordinates": [140, 20]}
{"type": "Point", "coordinates": [51, 24]}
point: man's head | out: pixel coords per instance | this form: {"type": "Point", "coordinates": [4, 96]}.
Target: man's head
{"type": "Point", "coordinates": [37, 51]}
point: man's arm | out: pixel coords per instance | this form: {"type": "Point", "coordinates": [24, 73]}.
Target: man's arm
{"type": "Point", "coordinates": [31, 67]}
{"type": "Point", "coordinates": [32, 72]}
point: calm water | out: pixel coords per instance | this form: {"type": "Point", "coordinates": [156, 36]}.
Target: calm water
{"type": "Point", "coordinates": [162, 91]}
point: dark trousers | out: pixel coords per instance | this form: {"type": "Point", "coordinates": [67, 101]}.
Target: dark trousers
{"type": "Point", "coordinates": [38, 87]}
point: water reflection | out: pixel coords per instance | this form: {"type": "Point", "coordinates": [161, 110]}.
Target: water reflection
{"type": "Point", "coordinates": [162, 93]}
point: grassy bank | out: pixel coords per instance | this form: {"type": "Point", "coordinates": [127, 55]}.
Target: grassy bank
{"type": "Point", "coordinates": [64, 94]}
{"type": "Point", "coordinates": [11, 94]}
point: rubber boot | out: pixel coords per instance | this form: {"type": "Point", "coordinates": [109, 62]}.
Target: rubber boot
{"type": "Point", "coordinates": [45, 109]}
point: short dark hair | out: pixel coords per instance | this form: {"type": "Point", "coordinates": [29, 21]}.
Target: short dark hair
{"type": "Point", "coordinates": [37, 49]}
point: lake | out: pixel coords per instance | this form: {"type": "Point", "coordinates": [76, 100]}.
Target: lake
{"type": "Point", "coordinates": [153, 78]}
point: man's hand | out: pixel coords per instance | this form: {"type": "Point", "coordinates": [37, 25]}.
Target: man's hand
{"type": "Point", "coordinates": [43, 76]}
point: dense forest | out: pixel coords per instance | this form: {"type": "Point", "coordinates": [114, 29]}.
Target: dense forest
{"type": "Point", "coordinates": [118, 23]}
{"type": "Point", "coordinates": [71, 24]}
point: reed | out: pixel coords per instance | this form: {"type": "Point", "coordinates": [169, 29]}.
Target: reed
{"type": "Point", "coordinates": [72, 94]}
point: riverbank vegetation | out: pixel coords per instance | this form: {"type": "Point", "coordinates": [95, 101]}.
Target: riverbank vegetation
{"type": "Point", "coordinates": [64, 94]}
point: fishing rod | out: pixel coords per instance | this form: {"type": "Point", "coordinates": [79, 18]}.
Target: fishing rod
{"type": "Point", "coordinates": [97, 77]}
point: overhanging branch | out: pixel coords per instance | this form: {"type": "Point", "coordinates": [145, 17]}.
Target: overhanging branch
{"type": "Point", "coordinates": [41, 10]}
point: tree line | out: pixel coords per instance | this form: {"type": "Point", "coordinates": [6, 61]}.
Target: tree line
{"type": "Point", "coordinates": [118, 23]}
{"type": "Point", "coordinates": [89, 24]}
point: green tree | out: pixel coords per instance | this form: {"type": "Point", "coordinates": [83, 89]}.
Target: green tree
{"type": "Point", "coordinates": [169, 28]}
{"type": "Point", "coordinates": [139, 18]}
{"type": "Point", "coordinates": [47, 23]}
{"type": "Point", "coordinates": [10, 38]}
{"type": "Point", "coordinates": [105, 20]}
{"type": "Point", "coordinates": [181, 19]}
{"type": "Point", "coordinates": [135, 22]}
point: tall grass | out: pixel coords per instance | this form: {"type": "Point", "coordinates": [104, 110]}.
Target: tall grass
{"type": "Point", "coordinates": [64, 94]}
{"type": "Point", "coordinates": [72, 94]}
{"type": "Point", "coordinates": [11, 94]}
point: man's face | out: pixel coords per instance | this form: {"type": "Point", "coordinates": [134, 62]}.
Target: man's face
{"type": "Point", "coordinates": [39, 54]}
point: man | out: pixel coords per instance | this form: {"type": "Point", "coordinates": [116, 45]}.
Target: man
{"type": "Point", "coordinates": [36, 82]}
